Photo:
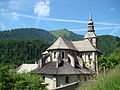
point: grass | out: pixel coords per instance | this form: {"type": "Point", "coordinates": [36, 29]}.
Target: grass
{"type": "Point", "coordinates": [108, 81]}
{"type": "Point", "coordinates": [61, 32]}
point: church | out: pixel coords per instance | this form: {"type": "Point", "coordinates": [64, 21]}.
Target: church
{"type": "Point", "coordinates": [66, 62]}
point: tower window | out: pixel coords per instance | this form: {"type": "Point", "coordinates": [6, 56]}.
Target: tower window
{"type": "Point", "coordinates": [63, 55]}
{"type": "Point", "coordinates": [54, 54]}
{"type": "Point", "coordinates": [67, 79]}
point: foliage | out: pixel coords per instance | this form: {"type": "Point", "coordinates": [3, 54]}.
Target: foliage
{"type": "Point", "coordinates": [14, 81]}
{"type": "Point", "coordinates": [21, 51]}
{"type": "Point", "coordinates": [111, 61]}
{"type": "Point", "coordinates": [67, 35]}
{"type": "Point", "coordinates": [107, 43]}
{"type": "Point", "coordinates": [26, 34]}
{"type": "Point", "coordinates": [108, 81]}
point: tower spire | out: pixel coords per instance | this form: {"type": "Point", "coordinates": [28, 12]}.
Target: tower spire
{"type": "Point", "coordinates": [90, 13]}
{"type": "Point", "coordinates": [90, 23]}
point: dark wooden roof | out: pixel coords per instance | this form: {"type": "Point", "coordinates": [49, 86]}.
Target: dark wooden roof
{"type": "Point", "coordinates": [66, 69]}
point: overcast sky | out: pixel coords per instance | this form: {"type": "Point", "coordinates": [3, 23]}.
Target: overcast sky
{"type": "Point", "coordinates": [59, 14]}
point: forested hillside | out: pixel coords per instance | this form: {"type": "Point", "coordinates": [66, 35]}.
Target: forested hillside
{"type": "Point", "coordinates": [107, 43]}
{"type": "Point", "coordinates": [69, 35]}
{"type": "Point", "coordinates": [21, 51]}
{"type": "Point", "coordinates": [27, 34]}
{"type": "Point", "coordinates": [26, 45]}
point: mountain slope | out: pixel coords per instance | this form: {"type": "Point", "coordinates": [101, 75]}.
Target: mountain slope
{"type": "Point", "coordinates": [26, 34]}
{"type": "Point", "coordinates": [69, 35]}
{"type": "Point", "coordinates": [107, 43]}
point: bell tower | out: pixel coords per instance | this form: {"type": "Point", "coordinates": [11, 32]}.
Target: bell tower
{"type": "Point", "coordinates": [91, 35]}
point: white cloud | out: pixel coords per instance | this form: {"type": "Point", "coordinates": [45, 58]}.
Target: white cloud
{"type": "Point", "coordinates": [115, 30]}
{"type": "Point", "coordinates": [14, 16]}
{"type": "Point", "coordinates": [98, 28]}
{"type": "Point", "coordinates": [2, 25]}
{"type": "Point", "coordinates": [64, 20]}
{"type": "Point", "coordinates": [42, 8]}
{"type": "Point", "coordinates": [2, 10]}
{"type": "Point", "coordinates": [14, 4]}
{"type": "Point", "coordinates": [111, 9]}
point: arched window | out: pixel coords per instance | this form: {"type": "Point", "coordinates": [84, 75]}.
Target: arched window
{"type": "Point", "coordinates": [54, 54]}
{"type": "Point", "coordinates": [67, 79]}
{"type": "Point", "coordinates": [63, 55]}
{"type": "Point", "coordinates": [85, 78]}
{"type": "Point", "coordinates": [69, 60]}
{"type": "Point", "coordinates": [80, 56]}
{"type": "Point", "coordinates": [89, 56]}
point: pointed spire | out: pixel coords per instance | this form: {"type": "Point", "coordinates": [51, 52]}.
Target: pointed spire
{"type": "Point", "coordinates": [90, 23]}
{"type": "Point", "coordinates": [90, 12]}
{"type": "Point", "coordinates": [90, 17]}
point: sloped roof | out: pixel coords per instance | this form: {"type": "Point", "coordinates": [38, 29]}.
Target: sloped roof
{"type": "Point", "coordinates": [90, 34]}
{"type": "Point", "coordinates": [84, 45]}
{"type": "Point", "coordinates": [45, 52]}
{"type": "Point", "coordinates": [66, 69]}
{"type": "Point", "coordinates": [24, 68]}
{"type": "Point", "coordinates": [62, 43]}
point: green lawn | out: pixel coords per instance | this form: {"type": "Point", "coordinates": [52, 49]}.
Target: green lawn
{"type": "Point", "coordinates": [108, 81]}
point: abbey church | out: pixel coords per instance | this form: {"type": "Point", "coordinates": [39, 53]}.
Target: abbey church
{"type": "Point", "coordinates": [66, 62]}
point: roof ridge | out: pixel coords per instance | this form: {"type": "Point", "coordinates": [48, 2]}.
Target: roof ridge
{"type": "Point", "coordinates": [69, 42]}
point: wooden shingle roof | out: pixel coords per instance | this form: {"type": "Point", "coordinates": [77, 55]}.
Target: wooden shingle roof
{"type": "Point", "coordinates": [62, 43]}
{"type": "Point", "coordinates": [81, 46]}
{"type": "Point", "coordinates": [66, 69]}
{"type": "Point", "coordinates": [90, 35]}
{"type": "Point", "coordinates": [84, 45]}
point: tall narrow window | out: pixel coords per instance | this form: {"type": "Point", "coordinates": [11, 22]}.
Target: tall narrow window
{"type": "Point", "coordinates": [80, 56]}
{"type": "Point", "coordinates": [54, 54]}
{"type": "Point", "coordinates": [63, 55]}
{"type": "Point", "coordinates": [43, 78]}
{"type": "Point", "coordinates": [67, 79]}
{"type": "Point", "coordinates": [89, 56]}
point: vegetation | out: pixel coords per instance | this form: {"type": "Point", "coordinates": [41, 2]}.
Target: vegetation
{"type": "Point", "coordinates": [107, 43]}
{"type": "Point", "coordinates": [26, 34]}
{"type": "Point", "coordinates": [111, 61]}
{"type": "Point", "coordinates": [21, 51]}
{"type": "Point", "coordinates": [10, 80]}
{"type": "Point", "coordinates": [67, 34]}
{"type": "Point", "coordinates": [24, 45]}
{"type": "Point", "coordinates": [108, 81]}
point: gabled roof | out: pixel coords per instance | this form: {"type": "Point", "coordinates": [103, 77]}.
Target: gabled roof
{"type": "Point", "coordinates": [24, 68]}
{"type": "Point", "coordinates": [62, 43]}
{"type": "Point", "coordinates": [66, 69]}
{"type": "Point", "coordinates": [90, 34]}
{"type": "Point", "coordinates": [84, 45]}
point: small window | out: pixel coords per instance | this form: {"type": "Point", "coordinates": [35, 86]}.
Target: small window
{"type": "Point", "coordinates": [67, 79]}
{"type": "Point", "coordinates": [80, 56]}
{"type": "Point", "coordinates": [54, 54]}
{"type": "Point", "coordinates": [69, 60]}
{"type": "Point", "coordinates": [89, 56]}
{"type": "Point", "coordinates": [63, 55]}
{"type": "Point", "coordinates": [85, 78]}
{"type": "Point", "coordinates": [43, 78]}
